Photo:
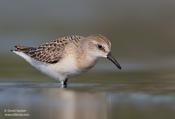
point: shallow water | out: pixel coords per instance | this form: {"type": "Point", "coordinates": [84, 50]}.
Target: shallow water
{"type": "Point", "coordinates": [140, 95]}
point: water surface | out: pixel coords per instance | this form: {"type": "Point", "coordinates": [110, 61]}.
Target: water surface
{"type": "Point", "coordinates": [103, 95]}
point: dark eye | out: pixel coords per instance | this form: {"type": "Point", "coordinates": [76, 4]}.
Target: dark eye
{"type": "Point", "coordinates": [99, 46]}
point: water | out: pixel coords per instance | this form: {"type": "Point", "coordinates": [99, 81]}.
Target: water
{"type": "Point", "coordinates": [103, 95]}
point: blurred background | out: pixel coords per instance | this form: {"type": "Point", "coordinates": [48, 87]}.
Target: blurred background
{"type": "Point", "coordinates": [142, 33]}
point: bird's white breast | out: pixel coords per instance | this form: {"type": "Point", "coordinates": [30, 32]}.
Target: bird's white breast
{"type": "Point", "coordinates": [66, 66]}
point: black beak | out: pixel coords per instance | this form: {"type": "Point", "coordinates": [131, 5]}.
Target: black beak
{"type": "Point", "coordinates": [112, 59]}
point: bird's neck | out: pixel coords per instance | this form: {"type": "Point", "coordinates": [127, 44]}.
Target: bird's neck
{"type": "Point", "coordinates": [85, 61]}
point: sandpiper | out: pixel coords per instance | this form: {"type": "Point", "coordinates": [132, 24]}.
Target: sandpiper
{"type": "Point", "coordinates": [67, 56]}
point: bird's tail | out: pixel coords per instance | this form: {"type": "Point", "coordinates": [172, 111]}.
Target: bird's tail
{"type": "Point", "coordinates": [22, 48]}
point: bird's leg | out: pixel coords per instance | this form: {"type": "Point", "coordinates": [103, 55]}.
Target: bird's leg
{"type": "Point", "coordinates": [64, 83]}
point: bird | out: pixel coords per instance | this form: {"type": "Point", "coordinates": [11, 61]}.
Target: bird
{"type": "Point", "coordinates": [67, 56]}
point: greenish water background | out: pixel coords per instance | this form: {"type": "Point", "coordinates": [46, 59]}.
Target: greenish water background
{"type": "Point", "coordinates": [142, 36]}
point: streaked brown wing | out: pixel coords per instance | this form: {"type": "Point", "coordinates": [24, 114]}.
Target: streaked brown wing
{"type": "Point", "coordinates": [49, 52]}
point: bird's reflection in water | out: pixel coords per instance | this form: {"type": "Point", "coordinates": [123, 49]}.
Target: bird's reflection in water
{"type": "Point", "coordinates": [67, 104]}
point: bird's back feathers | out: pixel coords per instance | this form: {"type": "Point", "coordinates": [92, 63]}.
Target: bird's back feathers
{"type": "Point", "coordinates": [50, 52]}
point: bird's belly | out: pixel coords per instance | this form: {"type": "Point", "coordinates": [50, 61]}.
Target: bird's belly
{"type": "Point", "coordinates": [66, 67]}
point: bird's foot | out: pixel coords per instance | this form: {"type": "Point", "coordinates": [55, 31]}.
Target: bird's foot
{"type": "Point", "coordinates": [64, 84]}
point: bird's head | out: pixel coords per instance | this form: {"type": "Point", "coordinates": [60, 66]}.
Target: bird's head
{"type": "Point", "coordinates": [99, 46]}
